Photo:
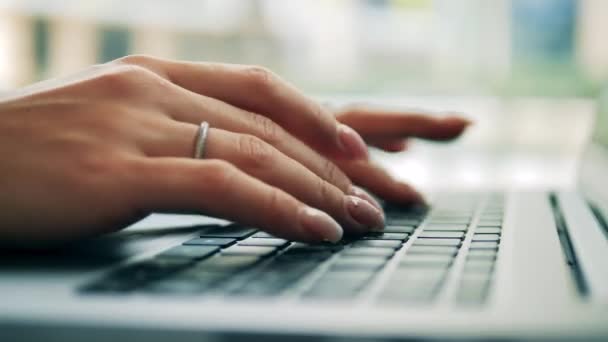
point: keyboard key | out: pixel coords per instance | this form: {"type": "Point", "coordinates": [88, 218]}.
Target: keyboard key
{"type": "Point", "coordinates": [189, 252]}
{"type": "Point", "coordinates": [481, 254]}
{"type": "Point", "coordinates": [386, 236]}
{"type": "Point", "coordinates": [449, 221]}
{"type": "Point", "coordinates": [412, 286]}
{"type": "Point", "coordinates": [489, 223]}
{"type": "Point", "coordinates": [486, 237]}
{"type": "Point", "coordinates": [300, 247]}
{"type": "Point", "coordinates": [369, 251]}
{"type": "Point", "coordinates": [449, 250]}
{"type": "Point", "coordinates": [379, 244]}
{"type": "Point", "coordinates": [487, 230]}
{"type": "Point", "coordinates": [473, 289]}
{"type": "Point", "coordinates": [264, 242]}
{"type": "Point", "coordinates": [437, 242]}
{"type": "Point", "coordinates": [339, 285]}
{"type": "Point", "coordinates": [175, 287]}
{"type": "Point", "coordinates": [438, 234]}
{"type": "Point", "coordinates": [399, 229]}
{"type": "Point", "coordinates": [228, 262]}
{"type": "Point", "coordinates": [392, 221]}
{"type": "Point", "coordinates": [484, 245]}
{"type": "Point", "coordinates": [263, 235]}
{"type": "Point", "coordinates": [427, 260]}
{"type": "Point", "coordinates": [478, 265]}
{"type": "Point", "coordinates": [358, 263]}
{"type": "Point", "coordinates": [249, 250]}
{"type": "Point", "coordinates": [275, 277]}
{"type": "Point", "coordinates": [305, 255]}
{"type": "Point", "coordinates": [221, 242]}
{"type": "Point", "coordinates": [446, 227]}
{"type": "Point", "coordinates": [232, 231]}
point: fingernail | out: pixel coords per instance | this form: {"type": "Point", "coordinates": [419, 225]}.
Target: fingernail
{"type": "Point", "coordinates": [364, 213]}
{"type": "Point", "coordinates": [320, 224]}
{"type": "Point", "coordinates": [351, 142]}
{"type": "Point", "coordinates": [358, 192]}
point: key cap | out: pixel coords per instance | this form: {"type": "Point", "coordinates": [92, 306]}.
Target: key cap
{"type": "Point", "coordinates": [358, 263]}
{"type": "Point", "coordinates": [264, 242]}
{"type": "Point", "coordinates": [490, 223]}
{"type": "Point", "coordinates": [481, 254]}
{"type": "Point", "coordinates": [305, 247]}
{"type": "Point", "coordinates": [433, 250]}
{"type": "Point", "coordinates": [399, 229]}
{"type": "Point", "coordinates": [228, 262]}
{"type": "Point", "coordinates": [493, 230]}
{"type": "Point", "coordinates": [369, 251]}
{"type": "Point", "coordinates": [412, 286]}
{"type": "Point", "coordinates": [276, 277]}
{"type": "Point", "coordinates": [221, 242]}
{"type": "Point", "coordinates": [473, 289]}
{"type": "Point", "coordinates": [437, 242]}
{"type": "Point", "coordinates": [189, 252]}
{"type": "Point", "coordinates": [450, 221]}
{"type": "Point", "coordinates": [427, 260]}
{"type": "Point", "coordinates": [486, 237]}
{"type": "Point", "coordinates": [339, 285]}
{"type": "Point", "coordinates": [446, 227]}
{"type": "Point", "coordinates": [263, 235]}
{"type": "Point", "coordinates": [378, 244]}
{"type": "Point", "coordinates": [385, 236]}
{"type": "Point", "coordinates": [393, 221]}
{"type": "Point", "coordinates": [249, 250]}
{"type": "Point", "coordinates": [438, 234]}
{"type": "Point", "coordinates": [484, 245]}
{"type": "Point", "coordinates": [231, 231]}
{"type": "Point", "coordinates": [478, 266]}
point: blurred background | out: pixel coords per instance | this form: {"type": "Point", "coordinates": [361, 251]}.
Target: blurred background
{"type": "Point", "coordinates": [525, 70]}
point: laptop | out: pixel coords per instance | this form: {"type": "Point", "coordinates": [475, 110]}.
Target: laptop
{"type": "Point", "coordinates": [506, 264]}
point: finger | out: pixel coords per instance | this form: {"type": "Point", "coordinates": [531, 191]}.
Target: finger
{"type": "Point", "coordinates": [194, 108]}
{"type": "Point", "coordinates": [217, 188]}
{"type": "Point", "coordinates": [378, 181]}
{"type": "Point", "coordinates": [372, 123]}
{"type": "Point", "coordinates": [262, 161]}
{"type": "Point", "coordinates": [389, 144]}
{"type": "Point", "coordinates": [259, 90]}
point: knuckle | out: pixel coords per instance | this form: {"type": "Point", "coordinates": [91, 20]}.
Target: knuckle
{"type": "Point", "coordinates": [255, 151]}
{"type": "Point", "coordinates": [272, 204]}
{"type": "Point", "coordinates": [123, 76]}
{"type": "Point", "coordinates": [334, 174]}
{"type": "Point", "coordinates": [136, 59]}
{"type": "Point", "coordinates": [269, 130]}
{"type": "Point", "coordinates": [261, 78]}
{"type": "Point", "coordinates": [325, 192]}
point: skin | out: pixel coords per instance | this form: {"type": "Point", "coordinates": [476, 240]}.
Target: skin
{"type": "Point", "coordinates": [96, 151]}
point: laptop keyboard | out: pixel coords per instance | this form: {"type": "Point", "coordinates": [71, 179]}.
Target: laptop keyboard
{"type": "Point", "coordinates": [448, 250]}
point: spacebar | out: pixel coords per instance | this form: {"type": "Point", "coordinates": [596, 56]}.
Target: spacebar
{"type": "Point", "coordinates": [589, 243]}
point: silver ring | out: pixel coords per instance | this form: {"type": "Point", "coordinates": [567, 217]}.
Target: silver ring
{"type": "Point", "coordinates": [201, 137]}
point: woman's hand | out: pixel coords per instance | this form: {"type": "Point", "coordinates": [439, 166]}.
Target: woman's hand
{"type": "Point", "coordinates": [94, 152]}
{"type": "Point", "coordinates": [390, 131]}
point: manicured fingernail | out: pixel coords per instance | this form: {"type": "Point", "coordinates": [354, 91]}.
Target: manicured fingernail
{"type": "Point", "coordinates": [352, 143]}
{"type": "Point", "coordinates": [320, 224]}
{"type": "Point", "coordinates": [364, 213]}
{"type": "Point", "coordinates": [358, 192]}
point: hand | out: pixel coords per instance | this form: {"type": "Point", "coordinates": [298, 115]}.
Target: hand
{"type": "Point", "coordinates": [93, 152]}
{"type": "Point", "coordinates": [391, 131]}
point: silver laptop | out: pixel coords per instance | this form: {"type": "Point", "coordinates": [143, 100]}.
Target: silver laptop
{"type": "Point", "coordinates": [485, 265]}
